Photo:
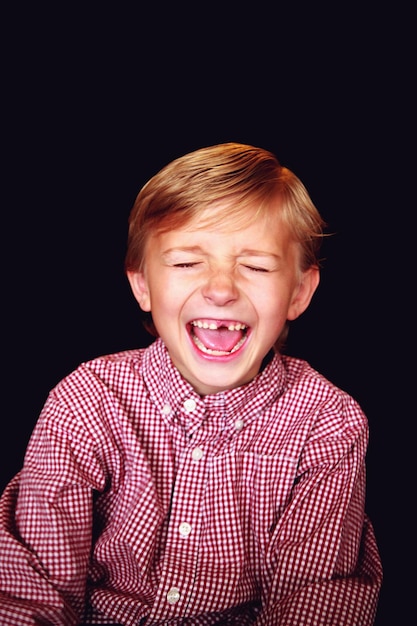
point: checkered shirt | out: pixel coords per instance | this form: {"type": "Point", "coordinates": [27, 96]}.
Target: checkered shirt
{"type": "Point", "coordinates": [140, 501]}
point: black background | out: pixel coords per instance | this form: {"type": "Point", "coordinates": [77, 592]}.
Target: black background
{"type": "Point", "coordinates": [96, 101]}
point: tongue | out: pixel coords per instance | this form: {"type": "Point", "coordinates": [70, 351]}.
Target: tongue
{"type": "Point", "coordinates": [220, 339]}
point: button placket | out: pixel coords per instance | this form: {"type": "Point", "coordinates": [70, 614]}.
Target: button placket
{"type": "Point", "coordinates": [183, 535]}
{"type": "Point", "coordinates": [197, 454]}
{"type": "Point", "coordinates": [184, 529]}
{"type": "Point", "coordinates": [190, 405]}
{"type": "Point", "coordinates": [173, 595]}
{"type": "Point", "coordinates": [166, 409]}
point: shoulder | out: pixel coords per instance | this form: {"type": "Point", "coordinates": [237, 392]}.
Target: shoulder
{"type": "Point", "coordinates": [112, 365]}
{"type": "Point", "coordinates": [97, 397]}
{"type": "Point", "coordinates": [107, 379]}
{"type": "Point", "coordinates": [317, 395]}
{"type": "Point", "coordinates": [102, 371]}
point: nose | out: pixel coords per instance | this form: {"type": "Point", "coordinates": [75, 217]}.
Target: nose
{"type": "Point", "coordinates": [220, 288]}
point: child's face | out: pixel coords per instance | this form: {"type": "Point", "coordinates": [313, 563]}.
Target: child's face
{"type": "Point", "coordinates": [220, 297]}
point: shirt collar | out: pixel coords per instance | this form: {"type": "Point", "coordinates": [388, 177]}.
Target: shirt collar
{"type": "Point", "coordinates": [170, 392]}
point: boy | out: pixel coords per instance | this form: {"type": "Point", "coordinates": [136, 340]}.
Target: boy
{"type": "Point", "coordinates": [209, 478]}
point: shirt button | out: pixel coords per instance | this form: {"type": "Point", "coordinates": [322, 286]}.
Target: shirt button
{"type": "Point", "coordinates": [197, 454]}
{"type": "Point", "coordinates": [239, 424]}
{"type": "Point", "coordinates": [185, 529]}
{"type": "Point", "coordinates": [166, 409]}
{"type": "Point", "coordinates": [189, 405]}
{"type": "Point", "coordinates": [173, 595]}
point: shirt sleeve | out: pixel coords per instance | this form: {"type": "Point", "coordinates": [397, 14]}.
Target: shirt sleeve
{"type": "Point", "coordinates": [46, 530]}
{"type": "Point", "coordinates": [326, 566]}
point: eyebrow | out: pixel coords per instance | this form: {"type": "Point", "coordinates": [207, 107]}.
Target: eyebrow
{"type": "Point", "coordinates": [260, 253]}
{"type": "Point", "coordinates": [198, 250]}
{"type": "Point", "coordinates": [183, 249]}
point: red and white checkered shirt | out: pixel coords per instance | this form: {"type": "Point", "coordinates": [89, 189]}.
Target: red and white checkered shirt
{"type": "Point", "coordinates": [143, 502]}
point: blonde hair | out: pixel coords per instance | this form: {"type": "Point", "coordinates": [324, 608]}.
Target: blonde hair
{"type": "Point", "coordinates": [238, 175]}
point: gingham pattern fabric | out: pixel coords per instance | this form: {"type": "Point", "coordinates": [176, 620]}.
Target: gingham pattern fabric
{"type": "Point", "coordinates": [142, 502]}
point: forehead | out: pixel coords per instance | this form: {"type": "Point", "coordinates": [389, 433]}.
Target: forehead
{"type": "Point", "coordinates": [226, 228]}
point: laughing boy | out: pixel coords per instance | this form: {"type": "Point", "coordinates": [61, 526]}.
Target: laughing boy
{"type": "Point", "coordinates": [209, 478]}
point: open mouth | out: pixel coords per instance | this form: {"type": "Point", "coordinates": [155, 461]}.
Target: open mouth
{"type": "Point", "coordinates": [218, 338]}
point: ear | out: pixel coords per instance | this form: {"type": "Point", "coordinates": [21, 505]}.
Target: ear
{"type": "Point", "coordinates": [304, 292]}
{"type": "Point", "coordinates": [140, 289]}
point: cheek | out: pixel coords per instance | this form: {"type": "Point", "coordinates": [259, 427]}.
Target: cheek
{"type": "Point", "coordinates": [166, 305]}
{"type": "Point", "coordinates": [273, 310]}
{"type": "Point", "coordinates": [270, 301]}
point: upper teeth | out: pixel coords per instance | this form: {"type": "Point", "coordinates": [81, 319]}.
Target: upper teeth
{"type": "Point", "coordinates": [214, 326]}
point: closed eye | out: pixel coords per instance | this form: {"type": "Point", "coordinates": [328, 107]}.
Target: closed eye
{"type": "Point", "coordinates": [255, 268]}
{"type": "Point", "coordinates": [192, 264]}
